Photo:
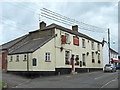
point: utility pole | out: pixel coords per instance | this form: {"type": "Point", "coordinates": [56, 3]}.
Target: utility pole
{"type": "Point", "coordinates": [109, 43]}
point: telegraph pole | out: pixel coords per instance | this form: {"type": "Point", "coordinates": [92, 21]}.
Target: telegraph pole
{"type": "Point", "coordinates": [109, 43]}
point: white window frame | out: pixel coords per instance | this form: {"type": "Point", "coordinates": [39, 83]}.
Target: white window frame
{"type": "Point", "coordinates": [98, 46]}
{"type": "Point", "coordinates": [92, 55]}
{"type": "Point", "coordinates": [25, 58]}
{"type": "Point", "coordinates": [67, 55]}
{"type": "Point", "coordinates": [92, 44]}
{"type": "Point", "coordinates": [83, 42]}
{"type": "Point", "coordinates": [34, 62]}
{"type": "Point", "coordinates": [47, 56]}
{"type": "Point", "coordinates": [98, 56]}
{"type": "Point", "coordinates": [67, 37]}
{"type": "Point", "coordinates": [17, 58]}
{"type": "Point", "coordinates": [83, 57]}
{"type": "Point", "coordinates": [11, 58]}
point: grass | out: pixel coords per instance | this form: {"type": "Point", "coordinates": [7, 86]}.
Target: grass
{"type": "Point", "coordinates": [2, 84]}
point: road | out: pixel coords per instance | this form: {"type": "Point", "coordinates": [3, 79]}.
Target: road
{"type": "Point", "coordinates": [97, 79]}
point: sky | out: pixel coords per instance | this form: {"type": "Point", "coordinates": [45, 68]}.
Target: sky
{"type": "Point", "coordinates": [19, 18]}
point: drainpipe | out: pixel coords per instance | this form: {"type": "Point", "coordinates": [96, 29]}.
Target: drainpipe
{"type": "Point", "coordinates": [27, 62]}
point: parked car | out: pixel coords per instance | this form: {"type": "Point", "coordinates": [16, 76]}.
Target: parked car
{"type": "Point", "coordinates": [118, 67]}
{"type": "Point", "coordinates": [109, 68]}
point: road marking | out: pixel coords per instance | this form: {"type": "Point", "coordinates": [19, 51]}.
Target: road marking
{"type": "Point", "coordinates": [98, 77]}
{"type": "Point", "coordinates": [108, 83]}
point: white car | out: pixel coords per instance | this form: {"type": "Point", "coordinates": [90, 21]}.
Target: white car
{"type": "Point", "coordinates": [110, 68]}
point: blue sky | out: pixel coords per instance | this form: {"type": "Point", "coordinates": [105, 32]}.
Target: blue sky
{"type": "Point", "coordinates": [19, 18]}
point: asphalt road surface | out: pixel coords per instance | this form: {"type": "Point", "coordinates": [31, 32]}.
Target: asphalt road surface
{"type": "Point", "coordinates": [97, 79]}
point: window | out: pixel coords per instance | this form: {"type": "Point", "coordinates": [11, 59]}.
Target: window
{"type": "Point", "coordinates": [47, 56]}
{"type": "Point", "coordinates": [83, 42]}
{"type": "Point", "coordinates": [67, 38]}
{"type": "Point", "coordinates": [92, 45]}
{"type": "Point", "coordinates": [17, 58]}
{"type": "Point", "coordinates": [98, 57]}
{"type": "Point", "coordinates": [67, 53]}
{"type": "Point", "coordinates": [25, 57]}
{"type": "Point", "coordinates": [11, 58]}
{"type": "Point", "coordinates": [83, 58]}
{"type": "Point", "coordinates": [93, 57]}
{"type": "Point", "coordinates": [75, 40]}
{"type": "Point", "coordinates": [34, 62]}
{"type": "Point", "coordinates": [63, 39]}
{"type": "Point", "coordinates": [76, 59]}
{"type": "Point", "coordinates": [98, 46]}
{"type": "Point", "coordinates": [72, 58]}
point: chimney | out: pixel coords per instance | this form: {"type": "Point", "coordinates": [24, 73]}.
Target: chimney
{"type": "Point", "coordinates": [42, 24]}
{"type": "Point", "coordinates": [75, 28]}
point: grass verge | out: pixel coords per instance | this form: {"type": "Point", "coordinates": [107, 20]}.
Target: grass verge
{"type": "Point", "coordinates": [2, 84]}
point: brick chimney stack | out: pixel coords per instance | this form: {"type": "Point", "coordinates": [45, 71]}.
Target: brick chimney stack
{"type": "Point", "coordinates": [42, 24]}
{"type": "Point", "coordinates": [75, 28]}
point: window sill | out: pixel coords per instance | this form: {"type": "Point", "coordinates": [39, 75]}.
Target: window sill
{"type": "Point", "coordinates": [92, 48]}
{"type": "Point", "coordinates": [47, 61]}
{"type": "Point", "coordinates": [83, 47]}
{"type": "Point", "coordinates": [24, 60]}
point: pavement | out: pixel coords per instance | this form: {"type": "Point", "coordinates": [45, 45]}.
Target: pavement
{"type": "Point", "coordinates": [97, 79]}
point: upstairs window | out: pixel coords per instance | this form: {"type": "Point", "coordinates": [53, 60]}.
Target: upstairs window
{"type": "Point", "coordinates": [63, 39]}
{"type": "Point", "coordinates": [17, 58]}
{"type": "Point", "coordinates": [98, 46]}
{"type": "Point", "coordinates": [67, 38]}
{"type": "Point", "coordinates": [92, 45]}
{"type": "Point", "coordinates": [11, 58]}
{"type": "Point", "coordinates": [75, 40]}
{"type": "Point", "coordinates": [83, 43]}
{"type": "Point", "coordinates": [47, 57]}
{"type": "Point", "coordinates": [34, 61]}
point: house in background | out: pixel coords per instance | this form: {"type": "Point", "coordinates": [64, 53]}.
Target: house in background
{"type": "Point", "coordinates": [114, 57]}
{"type": "Point", "coordinates": [53, 48]}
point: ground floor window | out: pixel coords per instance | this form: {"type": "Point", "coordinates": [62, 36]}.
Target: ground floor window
{"type": "Point", "coordinates": [98, 57]}
{"type": "Point", "coordinates": [25, 57]}
{"type": "Point", "coordinates": [67, 54]}
{"type": "Point", "coordinates": [77, 60]}
{"type": "Point", "coordinates": [11, 58]}
{"type": "Point", "coordinates": [34, 61]}
{"type": "Point", "coordinates": [93, 61]}
{"type": "Point", "coordinates": [47, 56]}
{"type": "Point", "coordinates": [17, 58]}
{"type": "Point", "coordinates": [83, 58]}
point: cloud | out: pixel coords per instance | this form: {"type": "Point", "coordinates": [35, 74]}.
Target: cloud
{"type": "Point", "coordinates": [26, 18]}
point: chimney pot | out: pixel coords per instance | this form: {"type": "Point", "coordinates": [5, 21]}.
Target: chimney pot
{"type": "Point", "coordinates": [75, 28]}
{"type": "Point", "coordinates": [42, 24]}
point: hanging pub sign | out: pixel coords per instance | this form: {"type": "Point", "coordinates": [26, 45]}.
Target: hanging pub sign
{"type": "Point", "coordinates": [75, 40]}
